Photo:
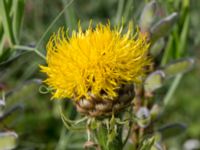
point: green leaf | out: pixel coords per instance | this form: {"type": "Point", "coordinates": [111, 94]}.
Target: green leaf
{"type": "Point", "coordinates": [111, 136]}
{"type": "Point", "coordinates": [148, 15]}
{"type": "Point", "coordinates": [7, 59]}
{"type": "Point", "coordinates": [167, 51]}
{"type": "Point", "coordinates": [70, 16]}
{"type": "Point", "coordinates": [161, 28]}
{"type": "Point", "coordinates": [95, 124]}
{"type": "Point", "coordinates": [109, 139]}
{"type": "Point", "coordinates": [183, 37]}
{"type": "Point", "coordinates": [11, 114]}
{"type": "Point", "coordinates": [18, 11]}
{"type": "Point", "coordinates": [154, 81]}
{"type": "Point", "coordinates": [147, 144]}
{"type": "Point", "coordinates": [6, 20]}
{"type": "Point", "coordinates": [101, 135]}
{"type": "Point", "coordinates": [127, 10]}
{"type": "Point", "coordinates": [172, 130]}
{"type": "Point", "coordinates": [157, 47]}
{"type": "Point", "coordinates": [179, 67]}
{"type": "Point", "coordinates": [8, 140]}
{"type": "Point", "coordinates": [1, 31]}
{"type": "Point", "coordinates": [172, 89]}
{"type": "Point", "coordinates": [2, 40]}
{"type": "Point", "coordinates": [9, 5]}
{"type": "Point", "coordinates": [119, 11]}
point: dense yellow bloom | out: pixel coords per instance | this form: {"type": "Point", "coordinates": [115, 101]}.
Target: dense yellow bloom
{"type": "Point", "coordinates": [93, 62]}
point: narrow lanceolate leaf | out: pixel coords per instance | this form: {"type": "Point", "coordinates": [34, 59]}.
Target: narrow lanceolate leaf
{"type": "Point", "coordinates": [9, 4]}
{"type": "Point", "coordinates": [179, 67]}
{"type": "Point", "coordinates": [1, 38]}
{"type": "Point", "coordinates": [8, 140]}
{"type": "Point", "coordinates": [6, 20]}
{"type": "Point", "coordinates": [148, 16]}
{"type": "Point", "coordinates": [18, 11]}
{"type": "Point", "coordinates": [163, 26]}
{"type": "Point", "coordinates": [4, 62]}
{"type": "Point", "coordinates": [148, 144]}
{"type": "Point", "coordinates": [154, 81]}
{"type": "Point", "coordinates": [157, 47]}
{"type": "Point", "coordinates": [183, 37]}
{"type": "Point", "coordinates": [172, 130]}
{"type": "Point", "coordinates": [1, 30]}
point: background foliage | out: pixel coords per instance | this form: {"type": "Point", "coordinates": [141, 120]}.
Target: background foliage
{"type": "Point", "coordinates": [34, 117]}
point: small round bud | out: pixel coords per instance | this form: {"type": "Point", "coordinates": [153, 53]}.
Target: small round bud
{"type": "Point", "coordinates": [191, 144]}
{"type": "Point", "coordinates": [143, 117]}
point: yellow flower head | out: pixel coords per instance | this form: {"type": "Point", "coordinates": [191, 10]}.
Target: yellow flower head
{"type": "Point", "coordinates": [93, 62]}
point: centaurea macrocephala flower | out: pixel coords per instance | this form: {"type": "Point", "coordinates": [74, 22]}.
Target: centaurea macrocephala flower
{"type": "Point", "coordinates": [95, 62]}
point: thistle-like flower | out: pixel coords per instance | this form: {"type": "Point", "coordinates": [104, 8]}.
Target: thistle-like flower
{"type": "Point", "coordinates": [96, 68]}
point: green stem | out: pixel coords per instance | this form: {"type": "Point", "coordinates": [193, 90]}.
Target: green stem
{"type": "Point", "coordinates": [128, 134]}
{"type": "Point", "coordinates": [30, 49]}
{"type": "Point", "coordinates": [61, 141]}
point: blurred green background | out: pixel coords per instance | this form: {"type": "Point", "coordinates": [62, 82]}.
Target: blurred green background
{"type": "Point", "coordinates": [34, 117]}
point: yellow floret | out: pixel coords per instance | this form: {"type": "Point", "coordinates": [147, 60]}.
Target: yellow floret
{"type": "Point", "coordinates": [100, 59]}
